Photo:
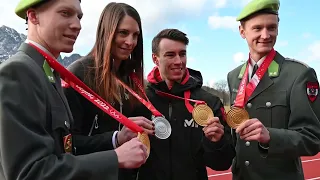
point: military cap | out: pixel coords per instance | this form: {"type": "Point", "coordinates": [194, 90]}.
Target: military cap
{"type": "Point", "coordinates": [23, 6]}
{"type": "Point", "coordinates": [254, 6]}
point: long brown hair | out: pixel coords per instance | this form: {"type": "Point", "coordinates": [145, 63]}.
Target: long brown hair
{"type": "Point", "coordinates": [105, 83]}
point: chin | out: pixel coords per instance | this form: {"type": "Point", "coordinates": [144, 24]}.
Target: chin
{"type": "Point", "coordinates": [123, 58]}
{"type": "Point", "coordinates": [264, 49]}
{"type": "Point", "coordinates": [177, 78]}
{"type": "Point", "coordinates": [67, 50]}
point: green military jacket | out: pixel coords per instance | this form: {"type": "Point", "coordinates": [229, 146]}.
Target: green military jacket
{"type": "Point", "coordinates": [286, 102]}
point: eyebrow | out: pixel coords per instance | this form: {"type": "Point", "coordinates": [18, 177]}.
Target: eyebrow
{"type": "Point", "coordinates": [167, 52]}
{"type": "Point", "coordinates": [123, 29]}
{"type": "Point", "coordinates": [79, 12]}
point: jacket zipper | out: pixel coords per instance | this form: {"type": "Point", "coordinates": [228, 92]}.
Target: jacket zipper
{"type": "Point", "coordinates": [94, 124]}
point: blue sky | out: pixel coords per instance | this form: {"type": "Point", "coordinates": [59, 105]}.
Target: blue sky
{"type": "Point", "coordinates": [215, 44]}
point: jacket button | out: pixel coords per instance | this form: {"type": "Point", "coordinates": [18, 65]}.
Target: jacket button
{"type": "Point", "coordinates": [268, 104]}
{"type": "Point", "coordinates": [247, 163]}
{"type": "Point", "coordinates": [247, 143]}
{"type": "Point", "coordinates": [249, 105]}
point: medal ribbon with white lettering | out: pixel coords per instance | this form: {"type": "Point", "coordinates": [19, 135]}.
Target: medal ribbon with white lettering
{"type": "Point", "coordinates": [245, 91]}
{"type": "Point", "coordinates": [85, 91]}
{"type": "Point", "coordinates": [146, 102]}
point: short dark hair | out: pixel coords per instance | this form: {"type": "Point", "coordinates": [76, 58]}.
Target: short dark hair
{"type": "Point", "coordinates": [172, 34]}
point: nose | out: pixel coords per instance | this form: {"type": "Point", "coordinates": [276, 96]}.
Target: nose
{"type": "Point", "coordinates": [265, 34]}
{"type": "Point", "coordinates": [76, 24]}
{"type": "Point", "coordinates": [177, 60]}
{"type": "Point", "coordinates": [130, 40]}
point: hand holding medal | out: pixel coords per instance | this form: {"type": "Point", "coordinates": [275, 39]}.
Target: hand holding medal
{"type": "Point", "coordinates": [162, 125]}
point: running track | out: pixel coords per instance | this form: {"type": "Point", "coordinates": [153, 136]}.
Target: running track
{"type": "Point", "coordinates": [310, 168]}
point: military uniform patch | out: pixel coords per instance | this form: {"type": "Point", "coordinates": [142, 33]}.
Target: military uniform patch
{"type": "Point", "coordinates": [67, 143]}
{"type": "Point", "coordinates": [312, 90]}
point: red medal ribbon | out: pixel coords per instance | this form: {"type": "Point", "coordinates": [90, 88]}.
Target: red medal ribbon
{"type": "Point", "coordinates": [86, 92]}
{"type": "Point", "coordinates": [187, 99]}
{"type": "Point", "coordinates": [147, 102]}
{"type": "Point", "coordinates": [245, 91]}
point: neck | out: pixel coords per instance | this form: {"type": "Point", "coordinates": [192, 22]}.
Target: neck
{"type": "Point", "coordinates": [257, 56]}
{"type": "Point", "coordinates": [38, 40]}
{"type": "Point", "coordinates": [169, 83]}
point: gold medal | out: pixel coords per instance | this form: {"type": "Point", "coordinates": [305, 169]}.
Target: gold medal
{"type": "Point", "coordinates": [236, 116]}
{"type": "Point", "coordinates": [201, 113]}
{"type": "Point", "coordinates": [144, 138]}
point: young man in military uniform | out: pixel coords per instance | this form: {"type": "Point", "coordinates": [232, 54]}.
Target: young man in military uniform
{"type": "Point", "coordinates": [279, 97]}
{"type": "Point", "coordinates": [35, 120]}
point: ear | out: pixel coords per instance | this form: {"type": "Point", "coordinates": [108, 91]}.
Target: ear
{"type": "Point", "coordinates": [155, 59]}
{"type": "Point", "coordinates": [32, 16]}
{"type": "Point", "coordinates": [242, 32]}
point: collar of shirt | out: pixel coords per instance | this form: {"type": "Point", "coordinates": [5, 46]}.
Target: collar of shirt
{"type": "Point", "coordinates": [252, 63]}
{"type": "Point", "coordinates": [41, 47]}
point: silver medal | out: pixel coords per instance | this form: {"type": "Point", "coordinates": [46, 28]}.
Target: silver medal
{"type": "Point", "coordinates": [162, 127]}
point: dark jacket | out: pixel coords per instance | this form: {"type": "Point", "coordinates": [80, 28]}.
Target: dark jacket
{"type": "Point", "coordinates": [282, 104]}
{"type": "Point", "coordinates": [187, 152]}
{"type": "Point", "coordinates": [34, 118]}
{"type": "Point", "coordinates": [94, 128]}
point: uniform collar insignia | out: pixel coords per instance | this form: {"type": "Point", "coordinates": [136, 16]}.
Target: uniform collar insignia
{"type": "Point", "coordinates": [273, 69]}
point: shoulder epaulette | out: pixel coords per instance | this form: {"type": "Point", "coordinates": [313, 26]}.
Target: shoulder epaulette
{"type": "Point", "coordinates": [295, 60]}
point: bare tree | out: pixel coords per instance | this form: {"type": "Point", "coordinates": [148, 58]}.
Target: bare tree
{"type": "Point", "coordinates": [222, 87]}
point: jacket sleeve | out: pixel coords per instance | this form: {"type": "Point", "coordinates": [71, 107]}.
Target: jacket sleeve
{"type": "Point", "coordinates": [26, 147]}
{"type": "Point", "coordinates": [79, 106]}
{"type": "Point", "coordinates": [219, 155]}
{"type": "Point", "coordinates": [302, 138]}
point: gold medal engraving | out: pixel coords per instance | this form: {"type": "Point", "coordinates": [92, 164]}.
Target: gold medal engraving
{"type": "Point", "coordinates": [236, 116]}
{"type": "Point", "coordinates": [201, 113]}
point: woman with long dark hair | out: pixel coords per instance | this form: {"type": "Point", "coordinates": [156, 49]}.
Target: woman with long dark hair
{"type": "Point", "coordinates": [116, 54]}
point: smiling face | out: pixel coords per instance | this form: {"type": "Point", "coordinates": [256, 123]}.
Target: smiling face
{"type": "Point", "coordinates": [261, 33]}
{"type": "Point", "coordinates": [57, 24]}
{"type": "Point", "coordinates": [126, 38]}
{"type": "Point", "coordinates": [171, 60]}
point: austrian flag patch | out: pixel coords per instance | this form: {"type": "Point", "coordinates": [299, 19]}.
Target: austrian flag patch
{"type": "Point", "coordinates": [312, 90]}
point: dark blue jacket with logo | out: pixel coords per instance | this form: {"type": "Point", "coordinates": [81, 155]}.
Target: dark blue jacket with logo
{"type": "Point", "coordinates": [187, 152]}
